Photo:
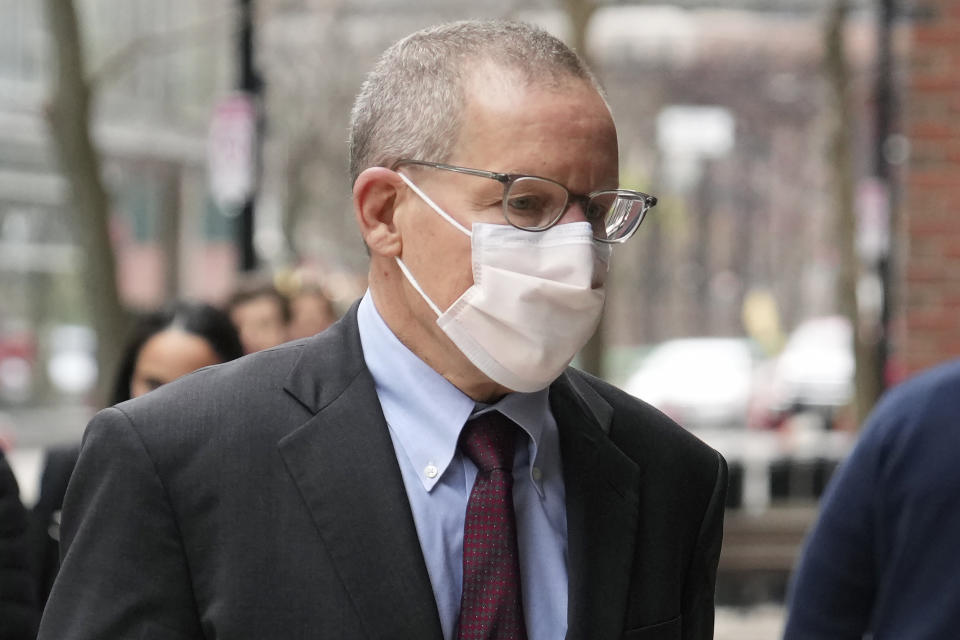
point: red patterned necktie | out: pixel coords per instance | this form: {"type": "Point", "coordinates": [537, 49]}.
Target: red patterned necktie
{"type": "Point", "coordinates": [491, 608]}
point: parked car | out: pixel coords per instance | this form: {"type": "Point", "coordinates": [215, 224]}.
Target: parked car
{"type": "Point", "coordinates": [702, 383]}
{"type": "Point", "coordinates": [813, 374]}
{"type": "Point", "coordinates": [17, 359]}
{"type": "Point", "coordinates": [72, 364]}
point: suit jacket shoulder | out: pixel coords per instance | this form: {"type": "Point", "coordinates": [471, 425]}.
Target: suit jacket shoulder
{"type": "Point", "coordinates": [255, 499]}
{"type": "Point", "coordinates": [649, 436]}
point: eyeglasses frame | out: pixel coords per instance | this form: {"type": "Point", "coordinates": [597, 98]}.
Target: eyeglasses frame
{"type": "Point", "coordinates": [507, 180]}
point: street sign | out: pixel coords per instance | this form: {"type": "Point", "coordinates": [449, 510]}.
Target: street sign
{"type": "Point", "coordinates": [230, 152]}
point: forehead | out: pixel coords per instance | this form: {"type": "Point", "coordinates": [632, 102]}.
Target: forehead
{"type": "Point", "coordinates": [261, 305]}
{"type": "Point", "coordinates": [556, 128]}
{"type": "Point", "coordinates": [175, 352]}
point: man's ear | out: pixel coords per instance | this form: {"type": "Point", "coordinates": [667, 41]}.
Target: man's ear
{"type": "Point", "coordinates": [375, 196]}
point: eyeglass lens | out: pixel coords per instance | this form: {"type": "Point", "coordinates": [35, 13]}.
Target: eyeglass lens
{"type": "Point", "coordinates": [617, 214]}
{"type": "Point", "coordinates": [534, 203]}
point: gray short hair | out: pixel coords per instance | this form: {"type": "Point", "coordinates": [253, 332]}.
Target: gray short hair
{"type": "Point", "coordinates": [410, 104]}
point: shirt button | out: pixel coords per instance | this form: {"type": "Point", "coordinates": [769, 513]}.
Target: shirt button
{"type": "Point", "coordinates": [537, 474]}
{"type": "Point", "coordinates": [431, 471]}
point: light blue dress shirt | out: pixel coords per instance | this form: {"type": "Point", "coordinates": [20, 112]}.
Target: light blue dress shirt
{"type": "Point", "coordinates": [425, 414]}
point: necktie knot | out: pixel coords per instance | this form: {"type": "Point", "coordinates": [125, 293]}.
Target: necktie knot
{"type": "Point", "coordinates": [490, 440]}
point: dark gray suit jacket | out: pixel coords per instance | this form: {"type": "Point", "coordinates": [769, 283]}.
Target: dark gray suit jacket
{"type": "Point", "coordinates": [262, 499]}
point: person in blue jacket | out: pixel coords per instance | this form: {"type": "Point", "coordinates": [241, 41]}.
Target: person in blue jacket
{"type": "Point", "coordinates": [883, 560]}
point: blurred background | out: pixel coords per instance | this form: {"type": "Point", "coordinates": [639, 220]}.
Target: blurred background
{"type": "Point", "coordinates": [802, 259]}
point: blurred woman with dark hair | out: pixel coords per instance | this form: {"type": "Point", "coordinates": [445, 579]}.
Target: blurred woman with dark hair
{"type": "Point", "coordinates": [165, 345]}
{"type": "Point", "coordinates": [175, 341]}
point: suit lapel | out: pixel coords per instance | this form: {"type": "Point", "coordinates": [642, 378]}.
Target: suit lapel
{"type": "Point", "coordinates": [602, 488]}
{"type": "Point", "coordinates": [344, 465]}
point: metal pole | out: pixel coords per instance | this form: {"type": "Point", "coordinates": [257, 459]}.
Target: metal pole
{"type": "Point", "coordinates": [885, 107]}
{"type": "Point", "coordinates": [249, 82]}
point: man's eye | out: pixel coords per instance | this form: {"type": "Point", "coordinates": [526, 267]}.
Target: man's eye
{"type": "Point", "coordinates": [595, 211]}
{"type": "Point", "coordinates": [525, 203]}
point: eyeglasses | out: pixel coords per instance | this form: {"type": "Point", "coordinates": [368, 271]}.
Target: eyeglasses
{"type": "Point", "coordinates": [536, 204]}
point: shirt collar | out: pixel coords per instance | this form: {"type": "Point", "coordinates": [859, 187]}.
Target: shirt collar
{"type": "Point", "coordinates": [529, 410]}
{"type": "Point", "coordinates": [423, 409]}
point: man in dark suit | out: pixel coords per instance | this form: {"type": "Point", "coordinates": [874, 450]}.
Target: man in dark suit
{"type": "Point", "coordinates": [429, 467]}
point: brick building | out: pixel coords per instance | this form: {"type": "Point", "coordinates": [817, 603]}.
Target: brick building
{"type": "Point", "coordinates": [929, 325]}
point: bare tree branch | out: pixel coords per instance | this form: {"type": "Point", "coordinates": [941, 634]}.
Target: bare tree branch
{"type": "Point", "coordinates": [153, 43]}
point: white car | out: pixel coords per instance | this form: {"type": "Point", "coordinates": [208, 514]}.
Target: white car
{"type": "Point", "coordinates": [72, 365]}
{"type": "Point", "coordinates": [702, 383]}
{"type": "Point", "coordinates": [814, 372]}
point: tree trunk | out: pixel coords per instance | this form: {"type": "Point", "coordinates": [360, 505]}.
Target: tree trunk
{"type": "Point", "coordinates": [579, 12]}
{"type": "Point", "coordinates": [69, 119]}
{"type": "Point", "coordinates": [866, 387]}
{"type": "Point", "coordinates": [703, 321]}
{"type": "Point", "coordinates": [170, 221]}
{"type": "Point", "coordinates": [885, 99]}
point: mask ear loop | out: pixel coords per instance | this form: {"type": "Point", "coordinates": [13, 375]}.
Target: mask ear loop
{"type": "Point", "coordinates": [433, 205]}
{"type": "Point", "coordinates": [602, 254]}
{"type": "Point", "coordinates": [416, 285]}
{"type": "Point", "coordinates": [443, 214]}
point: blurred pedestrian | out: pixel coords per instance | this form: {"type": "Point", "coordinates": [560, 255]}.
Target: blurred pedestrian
{"type": "Point", "coordinates": [19, 612]}
{"type": "Point", "coordinates": [172, 342]}
{"type": "Point", "coordinates": [429, 467]}
{"type": "Point", "coordinates": [883, 560]}
{"type": "Point", "coordinates": [311, 311]}
{"type": "Point", "coordinates": [261, 314]}
{"type": "Point", "coordinates": [164, 346]}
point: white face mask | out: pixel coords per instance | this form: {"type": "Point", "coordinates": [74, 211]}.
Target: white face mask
{"type": "Point", "coordinates": [533, 304]}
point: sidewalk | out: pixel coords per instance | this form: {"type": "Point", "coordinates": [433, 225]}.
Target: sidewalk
{"type": "Point", "coordinates": [762, 622]}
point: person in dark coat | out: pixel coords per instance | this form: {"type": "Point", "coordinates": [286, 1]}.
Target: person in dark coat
{"type": "Point", "coordinates": [19, 613]}
{"type": "Point", "coordinates": [883, 560]}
